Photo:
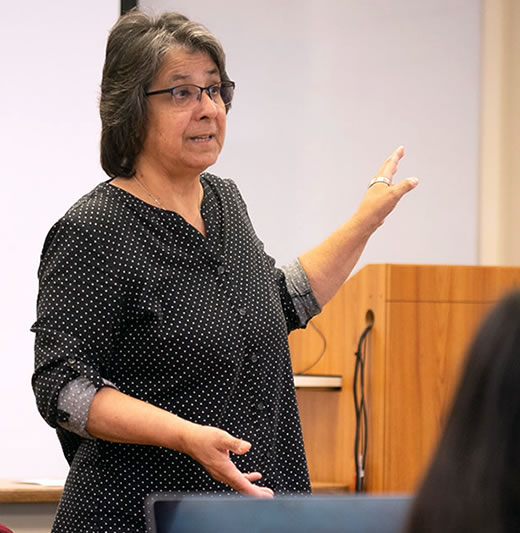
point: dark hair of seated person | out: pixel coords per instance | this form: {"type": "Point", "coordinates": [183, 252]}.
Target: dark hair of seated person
{"type": "Point", "coordinates": [473, 482]}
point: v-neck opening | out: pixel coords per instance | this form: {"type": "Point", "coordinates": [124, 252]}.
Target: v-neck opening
{"type": "Point", "coordinates": [162, 213]}
{"type": "Point", "coordinates": [210, 240]}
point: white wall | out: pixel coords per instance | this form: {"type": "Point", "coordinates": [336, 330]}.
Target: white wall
{"type": "Point", "coordinates": [326, 89]}
{"type": "Point", "coordinates": [52, 56]}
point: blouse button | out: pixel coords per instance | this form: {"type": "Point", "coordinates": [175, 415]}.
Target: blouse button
{"type": "Point", "coordinates": [254, 358]}
{"type": "Point", "coordinates": [260, 406]}
{"type": "Point", "coordinates": [242, 311]}
{"type": "Point", "coordinates": [220, 270]}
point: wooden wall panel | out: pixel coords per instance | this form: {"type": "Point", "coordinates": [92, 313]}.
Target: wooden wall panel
{"type": "Point", "coordinates": [326, 435]}
{"type": "Point", "coordinates": [445, 283]}
{"type": "Point", "coordinates": [425, 316]}
{"type": "Point", "coordinates": [426, 344]}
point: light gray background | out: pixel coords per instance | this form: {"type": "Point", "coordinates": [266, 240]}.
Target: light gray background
{"type": "Point", "coordinates": [325, 91]}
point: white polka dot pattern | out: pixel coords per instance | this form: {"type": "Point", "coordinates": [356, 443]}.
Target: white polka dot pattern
{"type": "Point", "coordinates": [133, 294]}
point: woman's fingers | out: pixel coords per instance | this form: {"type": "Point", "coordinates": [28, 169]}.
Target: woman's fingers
{"type": "Point", "coordinates": [253, 476]}
{"type": "Point", "coordinates": [226, 472]}
{"type": "Point", "coordinates": [389, 167]}
{"type": "Point", "coordinates": [235, 445]}
{"type": "Point", "coordinates": [405, 186]}
{"type": "Point", "coordinates": [387, 170]}
{"type": "Point", "coordinates": [211, 447]}
{"type": "Point", "coordinates": [265, 492]}
{"type": "Point", "coordinates": [382, 196]}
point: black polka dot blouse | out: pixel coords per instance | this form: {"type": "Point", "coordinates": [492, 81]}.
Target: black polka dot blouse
{"type": "Point", "coordinates": [132, 296]}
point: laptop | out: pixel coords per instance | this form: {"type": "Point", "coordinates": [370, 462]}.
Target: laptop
{"type": "Point", "coordinates": [171, 513]}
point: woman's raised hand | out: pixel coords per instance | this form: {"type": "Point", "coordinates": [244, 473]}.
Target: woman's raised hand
{"type": "Point", "coordinates": [382, 195]}
{"type": "Point", "coordinates": [329, 264]}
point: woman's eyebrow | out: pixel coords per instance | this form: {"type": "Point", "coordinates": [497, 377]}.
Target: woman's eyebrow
{"type": "Point", "coordinates": [183, 77]}
{"type": "Point", "coordinates": [177, 77]}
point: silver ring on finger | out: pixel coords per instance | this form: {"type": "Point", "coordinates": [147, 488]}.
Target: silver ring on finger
{"type": "Point", "coordinates": [380, 179]}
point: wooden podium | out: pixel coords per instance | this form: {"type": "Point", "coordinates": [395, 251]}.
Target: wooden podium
{"type": "Point", "coordinates": [424, 319]}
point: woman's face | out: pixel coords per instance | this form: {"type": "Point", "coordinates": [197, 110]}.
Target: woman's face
{"type": "Point", "coordinates": [184, 142]}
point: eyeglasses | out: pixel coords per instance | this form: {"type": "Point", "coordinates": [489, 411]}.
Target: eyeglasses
{"type": "Point", "coordinates": [186, 96]}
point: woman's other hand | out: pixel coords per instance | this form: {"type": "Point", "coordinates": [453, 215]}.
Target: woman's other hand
{"type": "Point", "coordinates": [211, 447]}
{"type": "Point", "coordinates": [117, 417]}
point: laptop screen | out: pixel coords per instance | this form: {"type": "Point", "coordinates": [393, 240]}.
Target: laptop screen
{"type": "Point", "coordinates": [306, 514]}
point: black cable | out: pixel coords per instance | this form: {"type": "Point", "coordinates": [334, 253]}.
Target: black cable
{"type": "Point", "coordinates": [361, 437]}
{"type": "Point", "coordinates": [322, 353]}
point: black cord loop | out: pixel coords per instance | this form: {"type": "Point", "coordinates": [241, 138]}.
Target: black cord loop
{"type": "Point", "coordinates": [361, 435]}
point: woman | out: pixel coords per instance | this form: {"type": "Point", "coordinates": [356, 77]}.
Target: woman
{"type": "Point", "coordinates": [473, 483]}
{"type": "Point", "coordinates": [161, 339]}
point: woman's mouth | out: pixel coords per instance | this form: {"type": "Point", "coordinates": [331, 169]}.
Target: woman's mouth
{"type": "Point", "coordinates": [202, 138]}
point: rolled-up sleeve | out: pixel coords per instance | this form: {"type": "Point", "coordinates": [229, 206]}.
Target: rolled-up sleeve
{"type": "Point", "coordinates": [78, 315]}
{"type": "Point", "coordinates": [74, 403]}
{"type": "Point", "coordinates": [299, 289]}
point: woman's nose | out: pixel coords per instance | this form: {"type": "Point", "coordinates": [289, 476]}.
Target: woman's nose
{"type": "Point", "coordinates": [207, 106]}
